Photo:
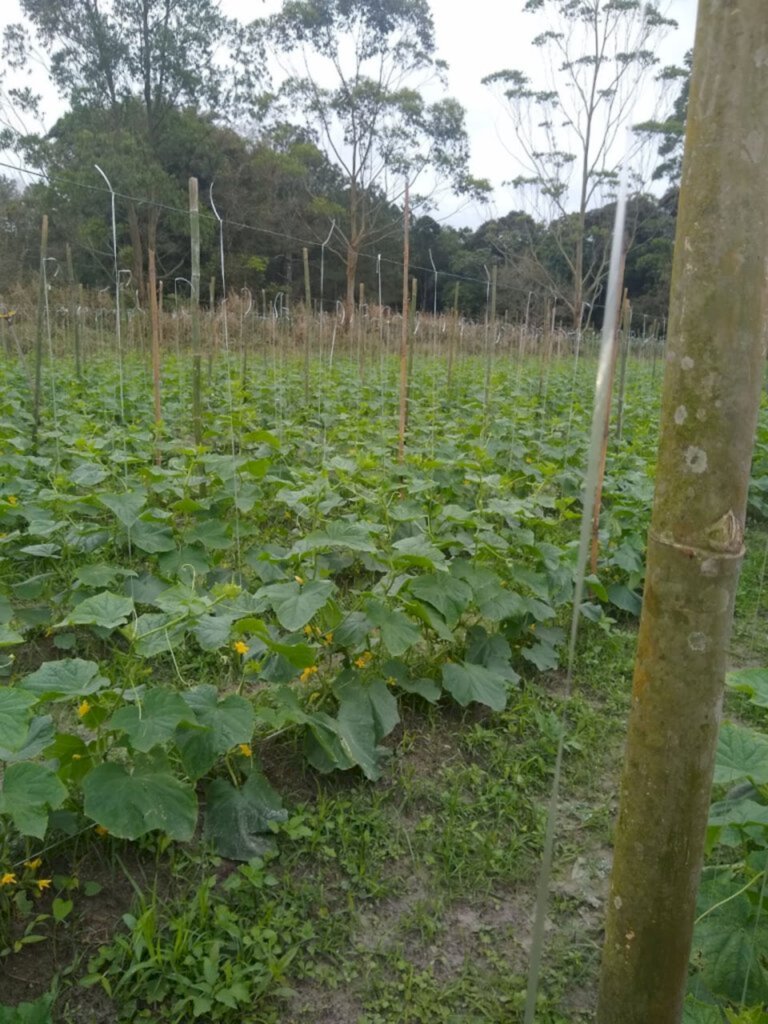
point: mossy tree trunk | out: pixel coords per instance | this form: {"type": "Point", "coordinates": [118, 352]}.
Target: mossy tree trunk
{"type": "Point", "coordinates": [709, 414]}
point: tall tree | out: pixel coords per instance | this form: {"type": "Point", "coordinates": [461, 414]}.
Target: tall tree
{"type": "Point", "coordinates": [709, 415]}
{"type": "Point", "coordinates": [139, 62]}
{"type": "Point", "coordinates": [362, 66]}
{"type": "Point", "coordinates": [568, 128]}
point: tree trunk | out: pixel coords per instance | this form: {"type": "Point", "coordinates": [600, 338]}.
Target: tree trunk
{"type": "Point", "coordinates": [353, 255]}
{"type": "Point", "coordinates": [137, 247]}
{"type": "Point", "coordinates": [709, 414]}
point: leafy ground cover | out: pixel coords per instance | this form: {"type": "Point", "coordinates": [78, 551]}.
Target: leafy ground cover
{"type": "Point", "coordinates": [280, 712]}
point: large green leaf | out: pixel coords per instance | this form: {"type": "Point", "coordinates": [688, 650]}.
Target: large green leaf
{"type": "Point", "coordinates": [294, 604]}
{"type": "Point", "coordinates": [40, 734]}
{"type": "Point", "coordinates": [398, 633]}
{"type": "Point", "coordinates": [365, 712]}
{"type": "Point", "coordinates": [151, 536]}
{"type": "Point", "coordinates": [450, 596]}
{"type": "Point", "coordinates": [741, 753]}
{"type": "Point", "coordinates": [467, 683]}
{"type": "Point", "coordinates": [238, 821]}
{"type": "Point", "coordinates": [154, 633]}
{"type": "Point", "coordinates": [226, 723]}
{"type": "Point", "coordinates": [752, 681]}
{"type": "Point", "coordinates": [126, 506]}
{"type": "Point", "coordinates": [15, 715]}
{"type": "Point", "coordinates": [38, 1012]}
{"type": "Point", "coordinates": [69, 677]}
{"type": "Point", "coordinates": [729, 942]}
{"type": "Point", "coordinates": [695, 1012]}
{"type": "Point", "coordinates": [152, 720]}
{"type": "Point", "coordinates": [130, 803]}
{"type": "Point", "coordinates": [29, 792]}
{"type": "Point", "coordinates": [338, 534]}
{"type": "Point", "coordinates": [106, 609]}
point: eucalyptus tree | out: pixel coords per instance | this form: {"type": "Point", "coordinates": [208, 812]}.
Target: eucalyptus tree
{"type": "Point", "coordinates": [568, 127]}
{"type": "Point", "coordinates": [359, 71]}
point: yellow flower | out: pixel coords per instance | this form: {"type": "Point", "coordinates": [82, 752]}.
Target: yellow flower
{"type": "Point", "coordinates": [307, 631]}
{"type": "Point", "coordinates": [8, 878]}
{"type": "Point", "coordinates": [83, 709]}
{"type": "Point", "coordinates": [240, 647]}
{"type": "Point", "coordinates": [101, 831]}
{"type": "Point", "coordinates": [307, 674]}
{"type": "Point", "coordinates": [364, 659]}
{"type": "Point", "coordinates": [328, 638]}
{"type": "Point", "coordinates": [299, 580]}
{"type": "Point", "coordinates": [391, 681]}
{"type": "Point", "coordinates": [245, 749]}
{"type": "Point", "coordinates": [33, 865]}
{"type": "Point", "coordinates": [12, 499]}
{"type": "Point", "coordinates": [43, 883]}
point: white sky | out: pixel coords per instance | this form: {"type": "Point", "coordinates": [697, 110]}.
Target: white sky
{"type": "Point", "coordinates": [475, 39]}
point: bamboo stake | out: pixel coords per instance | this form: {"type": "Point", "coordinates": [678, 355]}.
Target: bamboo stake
{"type": "Point", "coordinates": [403, 421]}
{"type": "Point", "coordinates": [155, 327]}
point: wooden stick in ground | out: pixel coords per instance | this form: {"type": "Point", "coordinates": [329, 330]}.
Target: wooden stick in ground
{"type": "Point", "coordinates": [155, 318]}
{"type": "Point", "coordinates": [40, 329]}
{"type": "Point", "coordinates": [403, 421]}
{"type": "Point", "coordinates": [710, 403]}
{"type": "Point", "coordinates": [194, 312]}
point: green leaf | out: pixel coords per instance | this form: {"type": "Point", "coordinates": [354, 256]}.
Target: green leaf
{"type": "Point", "coordinates": [211, 533]}
{"type": "Point", "coordinates": [398, 633]}
{"type": "Point", "coordinates": [624, 598]}
{"type": "Point", "coordinates": [752, 681]}
{"type": "Point", "coordinates": [38, 1012]}
{"type": "Point", "coordinates": [151, 537]}
{"type": "Point", "coordinates": [417, 551]}
{"type": "Point", "coordinates": [738, 812]}
{"type": "Point", "coordinates": [40, 735]}
{"type": "Point", "coordinates": [468, 683]}
{"type": "Point", "coordinates": [69, 677]}
{"type": "Point", "coordinates": [106, 609]}
{"type": "Point", "coordinates": [356, 725]}
{"type": "Point", "coordinates": [741, 753]}
{"type": "Point", "coordinates": [425, 688]}
{"type": "Point", "coordinates": [154, 633]}
{"type": "Point", "coordinates": [338, 534]}
{"type": "Point", "coordinates": [226, 723]}
{"type": "Point", "coordinates": [728, 942]}
{"type": "Point", "coordinates": [238, 821]}
{"type": "Point", "coordinates": [88, 474]}
{"type": "Point", "coordinates": [153, 720]}
{"type": "Point", "coordinates": [29, 792]}
{"type": "Point", "coordinates": [126, 506]}
{"type": "Point", "coordinates": [294, 604]}
{"type": "Point", "coordinates": [9, 637]}
{"type": "Point", "coordinates": [213, 631]}
{"type": "Point", "coordinates": [450, 596]}
{"type": "Point", "coordinates": [695, 1012]}
{"type": "Point", "coordinates": [492, 651]}
{"type": "Point", "coordinates": [131, 803]}
{"type": "Point", "coordinates": [14, 717]}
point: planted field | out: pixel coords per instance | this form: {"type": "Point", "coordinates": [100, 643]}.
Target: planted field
{"type": "Point", "coordinates": [280, 712]}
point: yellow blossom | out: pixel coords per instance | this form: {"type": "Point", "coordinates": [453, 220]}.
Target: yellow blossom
{"type": "Point", "coordinates": [307, 631]}
{"type": "Point", "coordinates": [391, 681]}
{"type": "Point", "coordinates": [8, 878]}
{"type": "Point", "coordinates": [33, 865]}
{"type": "Point", "coordinates": [307, 674]}
{"type": "Point", "coordinates": [364, 659]}
{"type": "Point", "coordinates": [299, 580]}
{"type": "Point", "coordinates": [83, 709]}
{"type": "Point", "coordinates": [12, 499]}
{"type": "Point", "coordinates": [101, 831]}
{"type": "Point", "coordinates": [328, 638]}
{"type": "Point", "coordinates": [245, 749]}
{"type": "Point", "coordinates": [240, 647]}
{"type": "Point", "coordinates": [43, 883]}
{"type": "Point", "coordinates": [77, 757]}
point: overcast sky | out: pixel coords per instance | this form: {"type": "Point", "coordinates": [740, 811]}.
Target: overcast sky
{"type": "Point", "coordinates": [475, 38]}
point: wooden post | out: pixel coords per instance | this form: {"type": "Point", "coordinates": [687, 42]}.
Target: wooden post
{"type": "Point", "coordinates": [40, 328]}
{"type": "Point", "coordinates": [194, 310]}
{"type": "Point", "coordinates": [155, 320]}
{"type": "Point", "coordinates": [712, 381]}
{"type": "Point", "coordinates": [403, 419]}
